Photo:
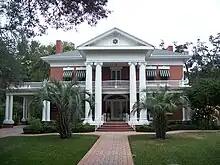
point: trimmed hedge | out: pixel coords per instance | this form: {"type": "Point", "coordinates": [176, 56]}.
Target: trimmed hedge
{"type": "Point", "coordinates": [38, 127]}
{"type": "Point", "coordinates": [172, 126]}
{"type": "Point", "coordinates": [81, 128]}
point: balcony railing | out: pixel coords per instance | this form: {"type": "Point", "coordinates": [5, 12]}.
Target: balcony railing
{"type": "Point", "coordinates": [169, 83]}
{"type": "Point", "coordinates": [115, 84]}
{"type": "Point", "coordinates": [111, 84]}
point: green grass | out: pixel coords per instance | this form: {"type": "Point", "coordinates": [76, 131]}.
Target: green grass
{"type": "Point", "coordinates": [44, 150]}
{"type": "Point", "coordinates": [179, 149]}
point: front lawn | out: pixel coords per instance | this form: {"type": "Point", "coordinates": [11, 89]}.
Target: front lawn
{"type": "Point", "coordinates": [44, 150]}
{"type": "Point", "coordinates": [179, 149]}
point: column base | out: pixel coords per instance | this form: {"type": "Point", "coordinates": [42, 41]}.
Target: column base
{"type": "Point", "coordinates": [143, 122]}
{"type": "Point", "coordinates": [8, 124]}
{"type": "Point", "coordinates": [138, 122]}
{"type": "Point", "coordinates": [23, 120]}
{"type": "Point", "coordinates": [88, 121]}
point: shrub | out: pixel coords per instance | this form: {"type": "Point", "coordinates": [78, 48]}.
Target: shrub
{"type": "Point", "coordinates": [35, 127]}
{"type": "Point", "coordinates": [80, 128]}
{"type": "Point", "coordinates": [181, 127]}
{"type": "Point", "coordinates": [49, 127]}
{"type": "Point", "coordinates": [174, 122]}
{"type": "Point", "coordinates": [144, 128]}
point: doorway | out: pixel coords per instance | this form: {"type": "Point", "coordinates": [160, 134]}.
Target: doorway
{"type": "Point", "coordinates": [116, 108]}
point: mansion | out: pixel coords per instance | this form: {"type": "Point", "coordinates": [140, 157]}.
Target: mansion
{"type": "Point", "coordinates": [114, 66]}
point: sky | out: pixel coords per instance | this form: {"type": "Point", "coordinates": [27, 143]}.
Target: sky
{"type": "Point", "coordinates": [151, 21]}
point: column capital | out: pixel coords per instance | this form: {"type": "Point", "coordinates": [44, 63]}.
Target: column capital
{"type": "Point", "coordinates": [88, 63]}
{"type": "Point", "coordinates": [132, 63]}
{"type": "Point", "coordinates": [142, 63]}
{"type": "Point", "coordinates": [98, 63]}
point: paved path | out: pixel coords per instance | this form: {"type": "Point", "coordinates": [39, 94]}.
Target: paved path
{"type": "Point", "coordinates": [110, 149]}
{"type": "Point", "coordinates": [15, 131]}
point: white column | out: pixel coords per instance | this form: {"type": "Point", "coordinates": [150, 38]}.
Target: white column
{"type": "Point", "coordinates": [6, 109]}
{"type": "Point", "coordinates": [24, 118]}
{"type": "Point", "coordinates": [44, 110]}
{"type": "Point", "coordinates": [133, 91]}
{"type": "Point", "coordinates": [98, 93]}
{"type": "Point", "coordinates": [88, 112]}
{"type": "Point", "coordinates": [10, 114]}
{"type": "Point", "coordinates": [183, 114]}
{"type": "Point", "coordinates": [142, 86]}
{"type": "Point", "coordinates": [47, 110]}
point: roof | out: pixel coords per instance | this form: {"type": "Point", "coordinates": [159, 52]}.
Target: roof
{"type": "Point", "coordinates": [73, 54]}
{"type": "Point", "coordinates": [164, 52]}
{"type": "Point", "coordinates": [112, 31]}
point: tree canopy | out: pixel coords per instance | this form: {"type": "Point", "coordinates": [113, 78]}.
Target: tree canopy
{"type": "Point", "coordinates": [33, 17]}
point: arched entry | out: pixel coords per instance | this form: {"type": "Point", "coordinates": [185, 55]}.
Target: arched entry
{"type": "Point", "coordinates": [116, 107]}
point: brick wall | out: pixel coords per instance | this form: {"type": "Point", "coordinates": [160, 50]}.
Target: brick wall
{"type": "Point", "coordinates": [56, 73]}
{"type": "Point", "coordinates": [176, 72]}
{"type": "Point", "coordinates": [177, 115]}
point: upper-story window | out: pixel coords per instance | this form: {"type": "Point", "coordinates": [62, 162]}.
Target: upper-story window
{"type": "Point", "coordinates": [67, 75]}
{"type": "Point", "coordinates": [116, 73]}
{"type": "Point", "coordinates": [151, 74]}
{"type": "Point", "coordinates": [164, 74]}
{"type": "Point", "coordinates": [78, 74]}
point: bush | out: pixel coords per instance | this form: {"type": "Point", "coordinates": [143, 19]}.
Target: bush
{"type": "Point", "coordinates": [49, 127]}
{"type": "Point", "coordinates": [80, 128]}
{"type": "Point", "coordinates": [181, 127]}
{"type": "Point", "coordinates": [35, 127]}
{"type": "Point", "coordinates": [175, 122]}
{"type": "Point", "coordinates": [144, 128]}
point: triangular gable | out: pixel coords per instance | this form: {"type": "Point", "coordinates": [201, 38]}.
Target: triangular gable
{"type": "Point", "coordinates": [108, 38]}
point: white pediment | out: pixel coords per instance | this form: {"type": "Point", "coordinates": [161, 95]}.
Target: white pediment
{"type": "Point", "coordinates": [115, 38]}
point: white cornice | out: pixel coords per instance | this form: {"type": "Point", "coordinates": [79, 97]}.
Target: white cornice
{"type": "Point", "coordinates": [115, 48]}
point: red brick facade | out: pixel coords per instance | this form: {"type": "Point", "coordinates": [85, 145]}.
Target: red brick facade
{"type": "Point", "coordinates": [56, 73]}
{"type": "Point", "coordinates": [175, 74]}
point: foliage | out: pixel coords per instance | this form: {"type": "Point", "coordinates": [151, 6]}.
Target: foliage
{"type": "Point", "coordinates": [204, 98]}
{"type": "Point", "coordinates": [44, 150]}
{"type": "Point", "coordinates": [171, 126]}
{"type": "Point", "coordinates": [158, 104]}
{"type": "Point", "coordinates": [68, 98]}
{"type": "Point", "coordinates": [35, 127]}
{"type": "Point", "coordinates": [144, 128]}
{"type": "Point", "coordinates": [178, 149]}
{"type": "Point", "coordinates": [33, 17]}
{"type": "Point", "coordinates": [80, 128]}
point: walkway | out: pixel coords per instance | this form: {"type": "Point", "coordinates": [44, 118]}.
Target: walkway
{"type": "Point", "coordinates": [110, 149]}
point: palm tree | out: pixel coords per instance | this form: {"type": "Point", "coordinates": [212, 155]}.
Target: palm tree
{"type": "Point", "coordinates": [68, 98]}
{"type": "Point", "coordinates": [159, 103]}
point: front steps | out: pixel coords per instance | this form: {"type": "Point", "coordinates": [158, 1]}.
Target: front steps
{"type": "Point", "coordinates": [115, 127]}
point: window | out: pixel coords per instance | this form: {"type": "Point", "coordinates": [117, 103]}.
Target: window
{"type": "Point", "coordinates": [67, 75]}
{"type": "Point", "coordinates": [151, 74]}
{"type": "Point", "coordinates": [116, 75]}
{"type": "Point", "coordinates": [81, 75]}
{"type": "Point", "coordinates": [164, 74]}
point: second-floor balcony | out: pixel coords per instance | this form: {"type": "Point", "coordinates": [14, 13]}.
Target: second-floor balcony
{"type": "Point", "coordinates": [112, 84]}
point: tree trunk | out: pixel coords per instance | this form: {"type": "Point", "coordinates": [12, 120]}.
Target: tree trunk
{"type": "Point", "coordinates": [160, 124]}
{"type": "Point", "coordinates": [64, 125]}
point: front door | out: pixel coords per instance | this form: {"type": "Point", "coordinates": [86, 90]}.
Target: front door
{"type": "Point", "coordinates": [116, 111]}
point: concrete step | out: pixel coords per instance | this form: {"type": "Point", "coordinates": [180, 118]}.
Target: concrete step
{"type": "Point", "coordinates": [115, 127]}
